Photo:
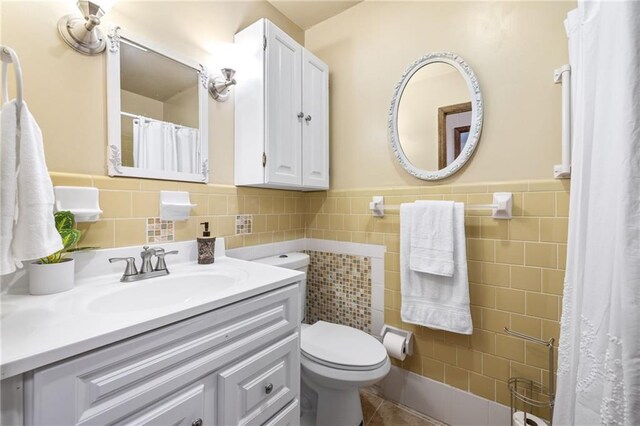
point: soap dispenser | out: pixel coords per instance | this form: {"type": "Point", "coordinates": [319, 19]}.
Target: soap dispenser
{"type": "Point", "coordinates": [206, 246]}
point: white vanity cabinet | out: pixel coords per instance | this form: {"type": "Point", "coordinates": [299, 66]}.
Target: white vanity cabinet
{"type": "Point", "coordinates": [281, 112]}
{"type": "Point", "coordinates": [236, 365]}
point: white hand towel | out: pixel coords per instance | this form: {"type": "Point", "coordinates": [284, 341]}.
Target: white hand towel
{"type": "Point", "coordinates": [8, 185]}
{"type": "Point", "coordinates": [34, 233]}
{"type": "Point", "coordinates": [430, 300]}
{"type": "Point", "coordinates": [432, 238]}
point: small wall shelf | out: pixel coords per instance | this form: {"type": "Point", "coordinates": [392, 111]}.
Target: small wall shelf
{"type": "Point", "coordinates": [81, 201]}
{"type": "Point", "coordinates": [175, 205]}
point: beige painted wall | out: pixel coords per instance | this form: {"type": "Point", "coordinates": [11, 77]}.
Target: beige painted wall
{"type": "Point", "coordinates": [182, 108]}
{"type": "Point", "coordinates": [513, 48]}
{"type": "Point", "coordinates": [66, 91]}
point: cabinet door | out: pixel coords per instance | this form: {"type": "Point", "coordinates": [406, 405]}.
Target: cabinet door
{"type": "Point", "coordinates": [193, 405]}
{"type": "Point", "coordinates": [284, 103]}
{"type": "Point", "coordinates": [315, 127]}
{"type": "Point", "coordinates": [258, 387]}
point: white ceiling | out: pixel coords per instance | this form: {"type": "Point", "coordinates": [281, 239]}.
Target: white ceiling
{"type": "Point", "coordinates": [307, 13]}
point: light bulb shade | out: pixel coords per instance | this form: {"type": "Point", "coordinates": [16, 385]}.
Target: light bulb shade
{"type": "Point", "coordinates": [228, 73]}
{"type": "Point", "coordinates": [89, 8]}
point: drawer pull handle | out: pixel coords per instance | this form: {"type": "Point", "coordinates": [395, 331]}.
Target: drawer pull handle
{"type": "Point", "coordinates": [197, 422]}
{"type": "Point", "coordinates": [269, 388]}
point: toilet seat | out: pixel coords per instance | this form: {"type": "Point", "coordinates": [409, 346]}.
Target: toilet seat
{"type": "Point", "coordinates": [341, 347]}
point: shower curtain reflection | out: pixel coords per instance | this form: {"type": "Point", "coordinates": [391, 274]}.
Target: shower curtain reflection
{"type": "Point", "coordinates": [159, 145]}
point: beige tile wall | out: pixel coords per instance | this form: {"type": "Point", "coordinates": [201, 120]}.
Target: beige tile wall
{"type": "Point", "coordinates": [516, 270]}
{"type": "Point", "coordinates": [127, 203]}
{"type": "Point", "coordinates": [516, 267]}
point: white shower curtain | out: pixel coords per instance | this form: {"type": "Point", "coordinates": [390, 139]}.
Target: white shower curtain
{"type": "Point", "coordinates": [154, 145]}
{"type": "Point", "coordinates": [188, 149]}
{"type": "Point", "coordinates": [599, 355]}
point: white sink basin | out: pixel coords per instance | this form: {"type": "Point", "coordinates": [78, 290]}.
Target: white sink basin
{"type": "Point", "coordinates": [165, 291]}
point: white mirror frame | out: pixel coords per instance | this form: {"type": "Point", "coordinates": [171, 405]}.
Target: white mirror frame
{"type": "Point", "coordinates": [476, 115]}
{"type": "Point", "coordinates": [114, 151]}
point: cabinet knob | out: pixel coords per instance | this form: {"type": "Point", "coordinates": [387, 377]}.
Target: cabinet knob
{"type": "Point", "coordinates": [268, 389]}
{"type": "Point", "coordinates": [300, 114]}
{"type": "Point", "coordinates": [307, 118]}
{"type": "Point", "coordinates": [197, 422]}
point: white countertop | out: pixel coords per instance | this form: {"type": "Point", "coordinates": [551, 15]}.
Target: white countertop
{"type": "Point", "coordinates": [39, 330]}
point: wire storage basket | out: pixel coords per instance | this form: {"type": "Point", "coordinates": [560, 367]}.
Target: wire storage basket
{"type": "Point", "coordinates": [531, 400]}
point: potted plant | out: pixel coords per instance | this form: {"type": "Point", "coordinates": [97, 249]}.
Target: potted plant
{"type": "Point", "coordinates": [55, 273]}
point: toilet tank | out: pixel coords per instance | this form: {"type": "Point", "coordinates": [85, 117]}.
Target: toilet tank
{"type": "Point", "coordinates": [297, 261]}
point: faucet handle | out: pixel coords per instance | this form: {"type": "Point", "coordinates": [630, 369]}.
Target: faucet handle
{"type": "Point", "coordinates": [131, 265]}
{"type": "Point", "coordinates": [160, 254]}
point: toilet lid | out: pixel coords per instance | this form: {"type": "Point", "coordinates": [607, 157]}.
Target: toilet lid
{"type": "Point", "coordinates": [342, 347]}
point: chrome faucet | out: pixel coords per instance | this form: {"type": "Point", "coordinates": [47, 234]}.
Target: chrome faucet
{"type": "Point", "coordinates": [146, 254]}
{"type": "Point", "coordinates": [146, 270]}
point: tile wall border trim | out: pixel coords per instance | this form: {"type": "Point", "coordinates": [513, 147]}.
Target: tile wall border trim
{"type": "Point", "coordinates": [375, 252]}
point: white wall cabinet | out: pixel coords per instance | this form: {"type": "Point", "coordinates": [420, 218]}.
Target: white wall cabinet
{"type": "Point", "coordinates": [235, 365]}
{"type": "Point", "coordinates": [281, 112]}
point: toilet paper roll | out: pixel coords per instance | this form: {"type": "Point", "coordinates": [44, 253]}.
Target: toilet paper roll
{"type": "Point", "coordinates": [518, 420]}
{"type": "Point", "coordinates": [394, 344]}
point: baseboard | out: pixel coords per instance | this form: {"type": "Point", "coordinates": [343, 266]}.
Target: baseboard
{"type": "Point", "coordinates": [442, 402]}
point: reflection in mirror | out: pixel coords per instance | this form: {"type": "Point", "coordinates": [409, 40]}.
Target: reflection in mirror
{"type": "Point", "coordinates": [436, 116]}
{"type": "Point", "coordinates": [454, 123]}
{"type": "Point", "coordinates": [159, 108]}
{"type": "Point", "coordinates": [432, 88]}
{"type": "Point", "coordinates": [160, 105]}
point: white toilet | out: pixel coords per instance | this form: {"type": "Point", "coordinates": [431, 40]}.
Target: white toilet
{"type": "Point", "coordinates": [336, 361]}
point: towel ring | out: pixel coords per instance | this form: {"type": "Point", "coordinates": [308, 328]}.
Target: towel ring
{"type": "Point", "coordinates": [9, 56]}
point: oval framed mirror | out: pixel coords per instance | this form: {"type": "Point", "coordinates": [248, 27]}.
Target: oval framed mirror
{"type": "Point", "coordinates": [435, 119]}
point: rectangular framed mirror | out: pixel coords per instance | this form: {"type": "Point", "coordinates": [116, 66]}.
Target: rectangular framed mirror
{"type": "Point", "coordinates": [157, 112]}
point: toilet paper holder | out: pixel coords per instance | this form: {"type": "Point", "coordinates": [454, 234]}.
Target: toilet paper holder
{"type": "Point", "coordinates": [407, 347]}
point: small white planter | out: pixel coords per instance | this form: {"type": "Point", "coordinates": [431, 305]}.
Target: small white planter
{"type": "Point", "coordinates": [51, 278]}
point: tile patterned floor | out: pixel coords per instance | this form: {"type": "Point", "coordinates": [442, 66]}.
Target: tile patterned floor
{"type": "Point", "coordinates": [380, 412]}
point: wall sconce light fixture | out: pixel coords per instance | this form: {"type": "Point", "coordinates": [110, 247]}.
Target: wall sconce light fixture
{"type": "Point", "coordinates": [82, 34]}
{"type": "Point", "coordinates": [219, 85]}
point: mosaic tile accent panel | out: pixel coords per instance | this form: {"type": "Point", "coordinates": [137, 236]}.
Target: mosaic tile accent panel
{"type": "Point", "coordinates": [159, 231]}
{"type": "Point", "coordinates": [339, 289]}
{"type": "Point", "coordinates": [244, 223]}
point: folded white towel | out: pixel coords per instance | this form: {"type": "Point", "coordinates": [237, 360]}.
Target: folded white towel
{"type": "Point", "coordinates": [34, 233]}
{"type": "Point", "coordinates": [430, 300]}
{"type": "Point", "coordinates": [432, 237]}
{"type": "Point", "coordinates": [8, 185]}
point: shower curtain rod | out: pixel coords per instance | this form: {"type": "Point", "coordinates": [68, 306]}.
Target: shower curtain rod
{"type": "Point", "coordinates": [128, 114]}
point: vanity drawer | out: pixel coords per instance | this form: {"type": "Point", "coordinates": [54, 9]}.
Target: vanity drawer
{"type": "Point", "coordinates": [288, 416]}
{"type": "Point", "coordinates": [256, 388]}
{"type": "Point", "coordinates": [185, 407]}
{"type": "Point", "coordinates": [107, 384]}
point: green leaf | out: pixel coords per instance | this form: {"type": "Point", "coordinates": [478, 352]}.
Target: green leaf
{"type": "Point", "coordinates": [52, 258]}
{"type": "Point", "coordinates": [64, 221]}
{"type": "Point", "coordinates": [69, 237]}
{"type": "Point", "coordinates": [65, 224]}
